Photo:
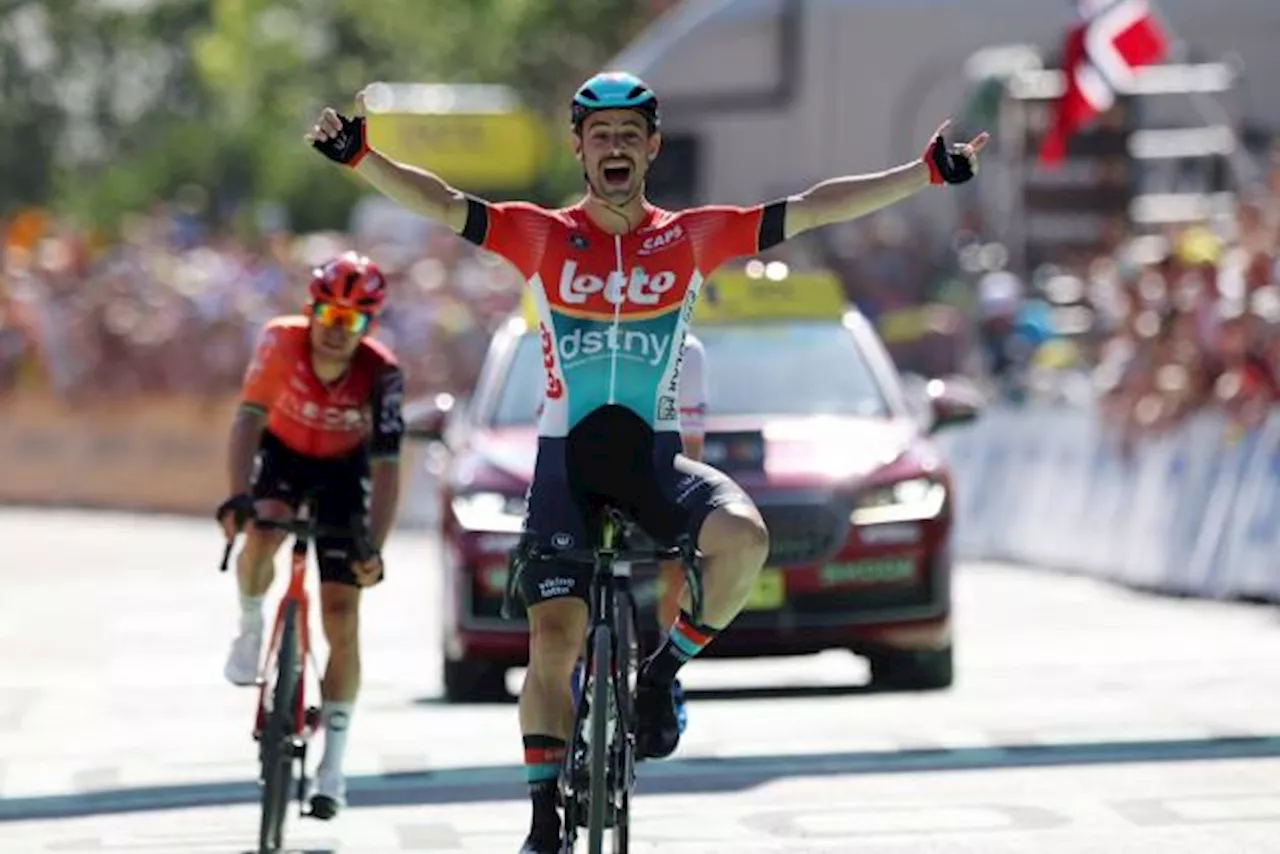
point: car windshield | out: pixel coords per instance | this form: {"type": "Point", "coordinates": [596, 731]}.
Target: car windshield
{"type": "Point", "coordinates": [785, 369]}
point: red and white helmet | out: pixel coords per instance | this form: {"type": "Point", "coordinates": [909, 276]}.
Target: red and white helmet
{"type": "Point", "coordinates": [350, 281]}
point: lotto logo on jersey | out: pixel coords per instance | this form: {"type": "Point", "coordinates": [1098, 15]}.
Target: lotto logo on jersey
{"type": "Point", "coordinates": [641, 292]}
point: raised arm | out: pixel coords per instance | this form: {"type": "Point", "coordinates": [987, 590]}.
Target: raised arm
{"type": "Point", "coordinates": [345, 140]}
{"type": "Point", "coordinates": [842, 199]}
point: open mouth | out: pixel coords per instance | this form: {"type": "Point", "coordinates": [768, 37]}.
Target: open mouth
{"type": "Point", "coordinates": [617, 174]}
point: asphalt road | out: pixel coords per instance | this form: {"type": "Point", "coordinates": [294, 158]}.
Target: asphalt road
{"type": "Point", "coordinates": [1085, 719]}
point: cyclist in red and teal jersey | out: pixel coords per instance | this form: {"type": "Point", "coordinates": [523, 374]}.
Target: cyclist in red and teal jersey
{"type": "Point", "coordinates": [615, 280]}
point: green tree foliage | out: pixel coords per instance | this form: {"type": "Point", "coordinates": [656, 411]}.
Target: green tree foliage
{"type": "Point", "coordinates": [120, 102]}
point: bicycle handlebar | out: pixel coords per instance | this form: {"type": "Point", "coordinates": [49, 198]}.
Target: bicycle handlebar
{"type": "Point", "coordinates": [308, 529]}
{"type": "Point", "coordinates": [587, 557]}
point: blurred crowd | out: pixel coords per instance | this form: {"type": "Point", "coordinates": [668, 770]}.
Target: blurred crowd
{"type": "Point", "coordinates": [173, 307]}
{"type": "Point", "coordinates": [1152, 330]}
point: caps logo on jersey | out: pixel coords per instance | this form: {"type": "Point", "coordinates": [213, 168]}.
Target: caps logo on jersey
{"type": "Point", "coordinates": [640, 292]}
{"type": "Point", "coordinates": [662, 240]}
{"type": "Point", "coordinates": [579, 242]}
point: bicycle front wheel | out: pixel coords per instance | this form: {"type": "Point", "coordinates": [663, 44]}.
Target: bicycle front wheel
{"type": "Point", "coordinates": [627, 668]}
{"type": "Point", "coordinates": [600, 796]}
{"type": "Point", "coordinates": [277, 736]}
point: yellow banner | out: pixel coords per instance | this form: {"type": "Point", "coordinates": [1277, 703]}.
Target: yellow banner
{"type": "Point", "coordinates": [490, 151]}
{"type": "Point", "coordinates": [735, 296]}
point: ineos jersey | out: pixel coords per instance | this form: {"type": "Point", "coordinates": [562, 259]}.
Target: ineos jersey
{"type": "Point", "coordinates": [613, 309]}
{"type": "Point", "coordinates": [325, 420]}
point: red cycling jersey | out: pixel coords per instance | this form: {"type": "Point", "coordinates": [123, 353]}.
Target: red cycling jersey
{"type": "Point", "coordinates": [325, 420]}
{"type": "Point", "coordinates": [613, 309]}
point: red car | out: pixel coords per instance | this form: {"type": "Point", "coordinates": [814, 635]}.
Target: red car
{"type": "Point", "coordinates": [809, 415]}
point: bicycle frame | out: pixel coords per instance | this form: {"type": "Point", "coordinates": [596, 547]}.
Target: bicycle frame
{"type": "Point", "coordinates": [605, 586]}
{"type": "Point", "coordinates": [296, 593]}
{"type": "Point", "coordinates": [610, 759]}
{"type": "Point", "coordinates": [283, 733]}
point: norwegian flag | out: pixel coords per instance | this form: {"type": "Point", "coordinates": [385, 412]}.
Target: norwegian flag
{"type": "Point", "coordinates": [1103, 48]}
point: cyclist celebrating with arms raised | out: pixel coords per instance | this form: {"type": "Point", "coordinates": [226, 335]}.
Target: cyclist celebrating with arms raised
{"type": "Point", "coordinates": [615, 280]}
{"type": "Point", "coordinates": [320, 420]}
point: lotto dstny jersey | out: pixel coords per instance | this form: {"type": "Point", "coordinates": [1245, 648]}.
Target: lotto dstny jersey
{"type": "Point", "coordinates": [613, 309]}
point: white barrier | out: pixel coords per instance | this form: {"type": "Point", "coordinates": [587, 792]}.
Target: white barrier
{"type": "Point", "coordinates": [1195, 512]}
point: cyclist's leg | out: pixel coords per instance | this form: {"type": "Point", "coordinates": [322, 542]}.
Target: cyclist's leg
{"type": "Point", "coordinates": [344, 494]}
{"type": "Point", "coordinates": [671, 586]}
{"type": "Point", "coordinates": [273, 491]}
{"type": "Point", "coordinates": [728, 531]}
{"type": "Point", "coordinates": [708, 505]}
{"type": "Point", "coordinates": [555, 595]}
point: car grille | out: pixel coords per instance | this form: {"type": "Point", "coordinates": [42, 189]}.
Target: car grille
{"type": "Point", "coordinates": [804, 533]}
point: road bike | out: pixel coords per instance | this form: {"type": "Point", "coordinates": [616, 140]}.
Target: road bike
{"type": "Point", "coordinates": [284, 721]}
{"type": "Point", "coordinates": [598, 777]}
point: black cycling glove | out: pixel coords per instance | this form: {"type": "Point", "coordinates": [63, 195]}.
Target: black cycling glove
{"type": "Point", "coordinates": [350, 145]}
{"type": "Point", "coordinates": [949, 164]}
{"type": "Point", "coordinates": [240, 506]}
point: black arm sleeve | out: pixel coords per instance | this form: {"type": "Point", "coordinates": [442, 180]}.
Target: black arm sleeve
{"type": "Point", "coordinates": [477, 227]}
{"type": "Point", "coordinates": [388, 420]}
{"type": "Point", "coordinates": [773, 224]}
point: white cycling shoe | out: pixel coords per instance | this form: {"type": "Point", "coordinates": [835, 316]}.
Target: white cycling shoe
{"type": "Point", "coordinates": [242, 662]}
{"type": "Point", "coordinates": [328, 794]}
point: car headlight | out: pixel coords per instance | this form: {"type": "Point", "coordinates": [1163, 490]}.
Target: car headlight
{"type": "Point", "coordinates": [489, 511]}
{"type": "Point", "coordinates": [905, 501]}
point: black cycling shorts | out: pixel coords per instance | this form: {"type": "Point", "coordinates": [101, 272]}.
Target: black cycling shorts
{"type": "Point", "coordinates": [612, 457]}
{"type": "Point", "coordinates": [339, 488]}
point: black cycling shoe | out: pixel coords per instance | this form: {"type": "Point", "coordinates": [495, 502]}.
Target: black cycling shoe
{"type": "Point", "coordinates": [323, 807]}
{"type": "Point", "coordinates": [657, 721]}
